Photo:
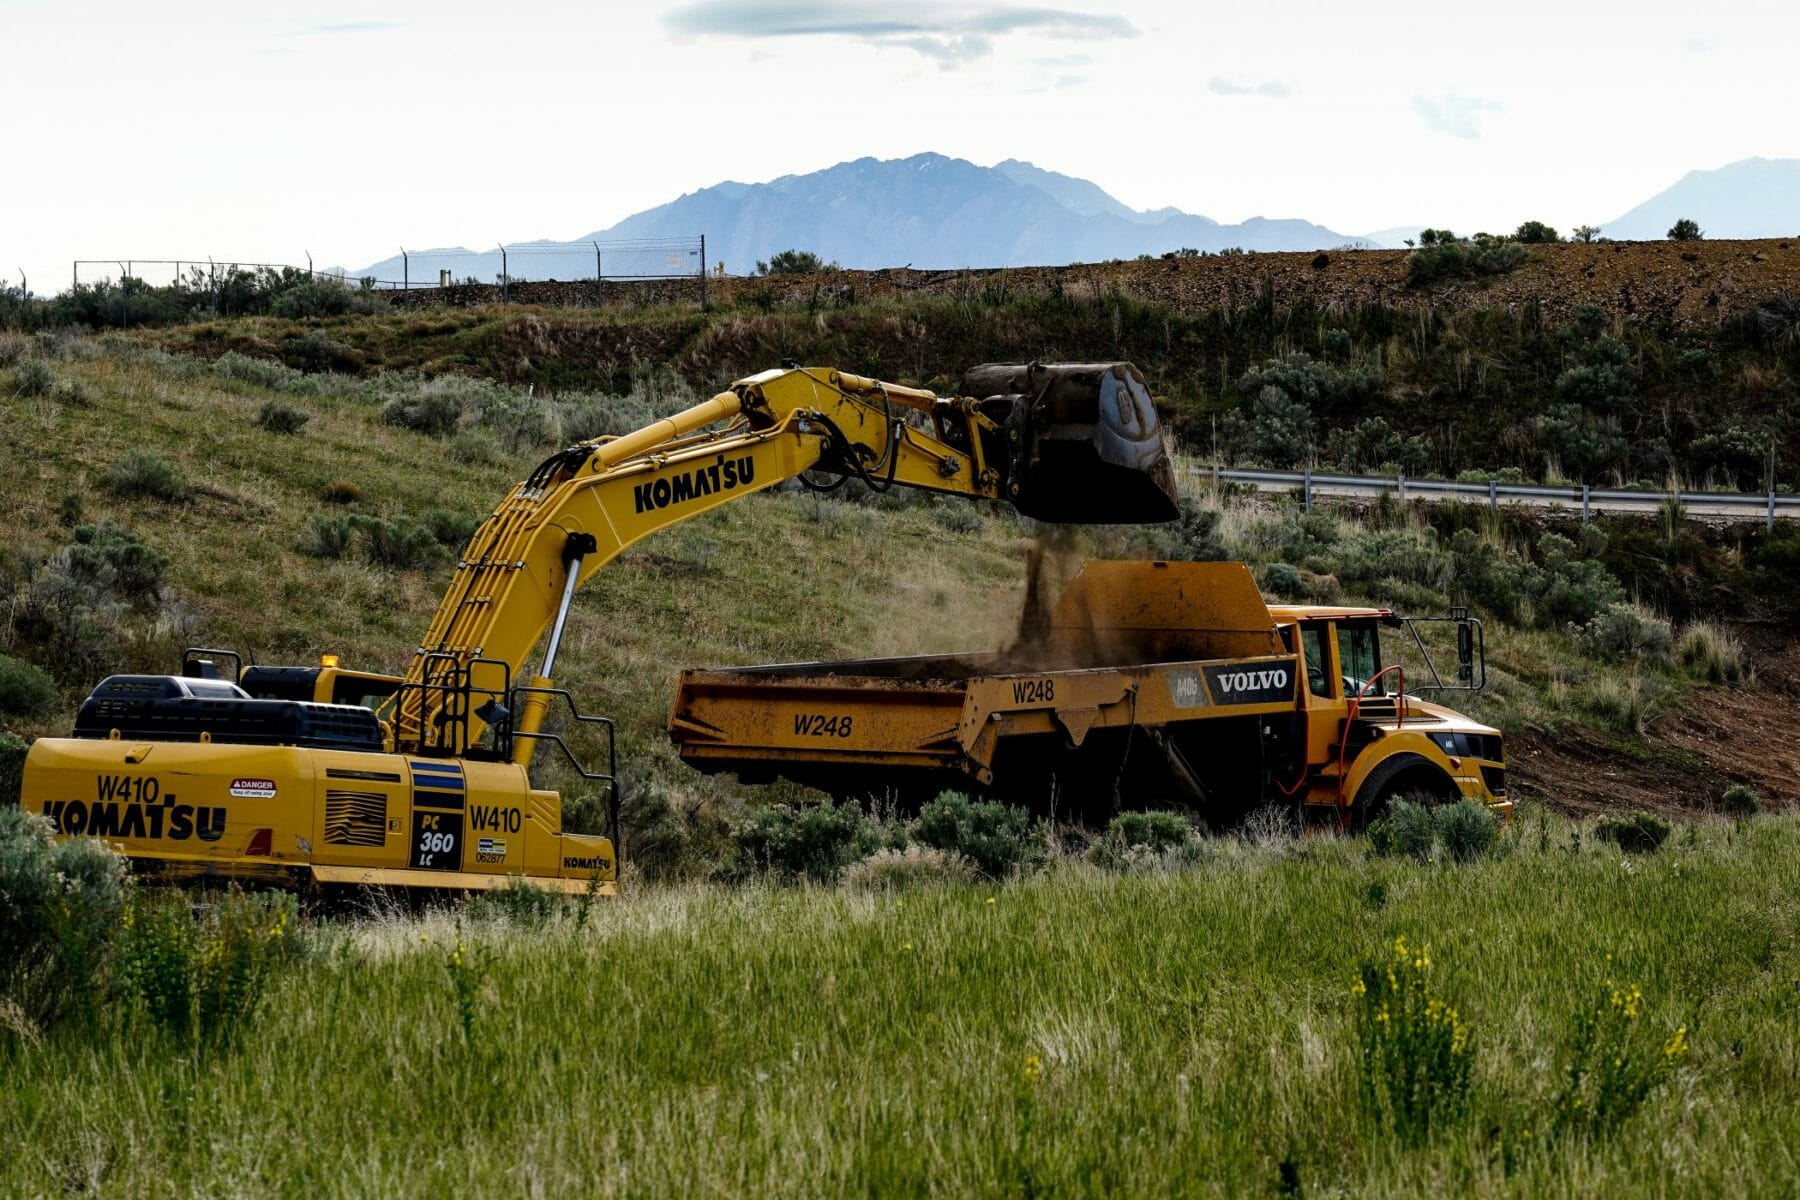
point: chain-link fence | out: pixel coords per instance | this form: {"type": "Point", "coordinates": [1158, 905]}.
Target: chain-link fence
{"type": "Point", "coordinates": [566, 272]}
{"type": "Point", "coordinates": [546, 262]}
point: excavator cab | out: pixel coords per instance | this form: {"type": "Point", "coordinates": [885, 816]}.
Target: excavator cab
{"type": "Point", "coordinates": [1082, 443]}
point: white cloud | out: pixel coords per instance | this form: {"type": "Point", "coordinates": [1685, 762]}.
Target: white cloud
{"type": "Point", "coordinates": [1454, 115]}
{"type": "Point", "coordinates": [947, 33]}
{"type": "Point", "coordinates": [1218, 85]}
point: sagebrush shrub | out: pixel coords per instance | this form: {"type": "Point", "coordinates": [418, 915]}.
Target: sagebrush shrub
{"type": "Point", "coordinates": [1137, 840]}
{"type": "Point", "coordinates": [452, 530]}
{"type": "Point", "coordinates": [812, 841]}
{"type": "Point", "coordinates": [1740, 802]}
{"type": "Point", "coordinates": [1282, 580]}
{"type": "Point", "coordinates": [325, 536]}
{"type": "Point", "coordinates": [998, 838]}
{"type": "Point", "coordinates": [279, 417]}
{"type": "Point", "coordinates": [73, 392]}
{"type": "Point", "coordinates": [25, 691]}
{"type": "Point", "coordinates": [1193, 536]}
{"type": "Point", "coordinates": [518, 901]}
{"type": "Point", "coordinates": [260, 372]}
{"type": "Point", "coordinates": [60, 907]}
{"type": "Point", "coordinates": [956, 516]}
{"type": "Point", "coordinates": [436, 406]}
{"type": "Point", "coordinates": [1405, 828]}
{"type": "Point", "coordinates": [1639, 833]}
{"type": "Point", "coordinates": [69, 509]}
{"type": "Point", "coordinates": [400, 543]}
{"type": "Point", "coordinates": [33, 378]}
{"type": "Point", "coordinates": [1467, 828]}
{"type": "Point", "coordinates": [1414, 1052]}
{"type": "Point", "coordinates": [913, 866]}
{"type": "Point", "coordinates": [436, 416]}
{"type": "Point", "coordinates": [13, 749]}
{"type": "Point", "coordinates": [476, 447]}
{"type": "Point", "coordinates": [145, 473]}
{"type": "Point", "coordinates": [1624, 631]}
{"type": "Point", "coordinates": [114, 561]}
{"type": "Point", "coordinates": [1451, 258]}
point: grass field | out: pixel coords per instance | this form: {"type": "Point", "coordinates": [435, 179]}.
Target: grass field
{"type": "Point", "coordinates": [1077, 1033]}
{"type": "Point", "coordinates": [1170, 1032]}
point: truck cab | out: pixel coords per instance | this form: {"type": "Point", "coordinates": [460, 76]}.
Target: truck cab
{"type": "Point", "coordinates": [1368, 738]}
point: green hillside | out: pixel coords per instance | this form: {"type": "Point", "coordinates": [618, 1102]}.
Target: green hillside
{"type": "Point", "coordinates": [338, 537]}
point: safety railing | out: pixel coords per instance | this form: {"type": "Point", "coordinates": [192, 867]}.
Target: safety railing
{"type": "Point", "coordinates": [1768, 505]}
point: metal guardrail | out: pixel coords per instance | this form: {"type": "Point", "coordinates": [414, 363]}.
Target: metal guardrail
{"type": "Point", "coordinates": [1769, 505]}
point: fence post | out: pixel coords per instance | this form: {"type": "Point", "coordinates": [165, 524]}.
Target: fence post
{"type": "Point", "coordinates": [599, 278]}
{"type": "Point", "coordinates": [1215, 467]}
{"type": "Point", "coordinates": [1494, 495]}
{"type": "Point", "coordinates": [74, 273]}
{"type": "Point", "coordinates": [1771, 520]}
{"type": "Point", "coordinates": [503, 272]}
{"type": "Point", "coordinates": [405, 272]}
{"type": "Point", "coordinates": [1584, 504]}
{"type": "Point", "coordinates": [1400, 485]}
{"type": "Point", "coordinates": [1306, 493]}
{"type": "Point", "coordinates": [703, 272]}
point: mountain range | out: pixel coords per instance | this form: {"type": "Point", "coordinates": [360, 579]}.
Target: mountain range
{"type": "Point", "coordinates": [1754, 198]}
{"type": "Point", "coordinates": [934, 212]}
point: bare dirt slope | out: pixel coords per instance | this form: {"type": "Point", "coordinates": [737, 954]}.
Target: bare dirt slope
{"type": "Point", "coordinates": [1690, 755]}
{"type": "Point", "coordinates": [1687, 284]}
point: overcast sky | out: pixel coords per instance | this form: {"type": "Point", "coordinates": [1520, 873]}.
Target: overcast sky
{"type": "Point", "coordinates": [260, 131]}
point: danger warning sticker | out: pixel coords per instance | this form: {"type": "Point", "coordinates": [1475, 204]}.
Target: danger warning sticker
{"type": "Point", "coordinates": [253, 789]}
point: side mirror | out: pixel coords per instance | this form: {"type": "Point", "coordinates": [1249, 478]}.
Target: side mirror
{"type": "Point", "coordinates": [1465, 652]}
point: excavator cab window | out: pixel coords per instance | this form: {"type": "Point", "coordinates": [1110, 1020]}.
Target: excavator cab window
{"type": "Point", "coordinates": [1359, 657]}
{"type": "Point", "coordinates": [363, 691]}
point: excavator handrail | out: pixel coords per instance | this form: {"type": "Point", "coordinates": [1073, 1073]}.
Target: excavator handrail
{"type": "Point", "coordinates": [610, 777]}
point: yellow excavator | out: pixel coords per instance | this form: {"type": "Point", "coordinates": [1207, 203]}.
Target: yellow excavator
{"type": "Point", "coordinates": [329, 776]}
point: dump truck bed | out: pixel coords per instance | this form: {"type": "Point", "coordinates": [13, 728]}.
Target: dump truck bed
{"type": "Point", "coordinates": [1124, 655]}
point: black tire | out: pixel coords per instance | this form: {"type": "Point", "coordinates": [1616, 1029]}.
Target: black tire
{"type": "Point", "coordinates": [1402, 777]}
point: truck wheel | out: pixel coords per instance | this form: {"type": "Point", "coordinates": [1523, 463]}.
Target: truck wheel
{"type": "Point", "coordinates": [1403, 777]}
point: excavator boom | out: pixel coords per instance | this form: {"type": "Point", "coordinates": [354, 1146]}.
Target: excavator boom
{"type": "Point", "coordinates": [1067, 443]}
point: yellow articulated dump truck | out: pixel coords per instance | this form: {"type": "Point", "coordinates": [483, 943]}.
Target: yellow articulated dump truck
{"type": "Point", "coordinates": [305, 775]}
{"type": "Point", "coordinates": [1149, 682]}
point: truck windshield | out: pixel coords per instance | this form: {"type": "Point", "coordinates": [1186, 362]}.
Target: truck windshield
{"type": "Point", "coordinates": [1359, 655]}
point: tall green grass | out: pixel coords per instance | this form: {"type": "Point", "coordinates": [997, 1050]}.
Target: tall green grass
{"type": "Point", "coordinates": [1078, 1033]}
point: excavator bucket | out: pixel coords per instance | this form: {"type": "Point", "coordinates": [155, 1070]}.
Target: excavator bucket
{"type": "Point", "coordinates": [1084, 443]}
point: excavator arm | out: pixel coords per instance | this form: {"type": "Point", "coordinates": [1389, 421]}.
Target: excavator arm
{"type": "Point", "coordinates": [1065, 442]}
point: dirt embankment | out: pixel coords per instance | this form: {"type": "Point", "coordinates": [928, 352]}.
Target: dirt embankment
{"type": "Point", "coordinates": [1689, 755]}
{"type": "Point", "coordinates": [1686, 284]}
